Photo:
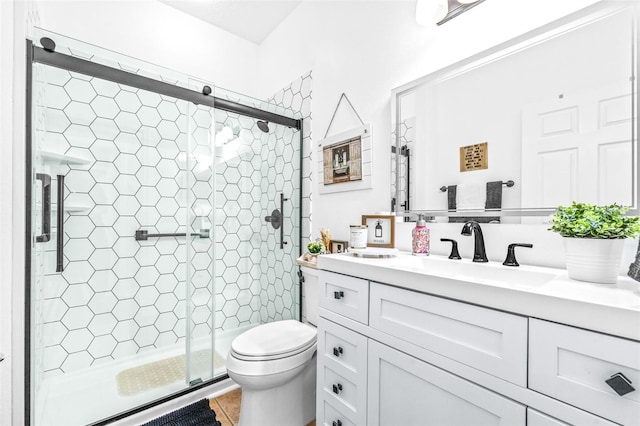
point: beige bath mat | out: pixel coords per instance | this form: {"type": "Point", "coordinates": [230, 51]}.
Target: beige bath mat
{"type": "Point", "coordinates": [160, 373]}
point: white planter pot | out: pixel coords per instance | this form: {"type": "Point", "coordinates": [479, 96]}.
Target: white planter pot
{"type": "Point", "coordinates": [593, 260]}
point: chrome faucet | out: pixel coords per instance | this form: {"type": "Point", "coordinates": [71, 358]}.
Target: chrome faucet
{"type": "Point", "coordinates": [479, 253]}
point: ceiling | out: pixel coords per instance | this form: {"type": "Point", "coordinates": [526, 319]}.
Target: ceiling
{"type": "Point", "coordinates": [252, 20]}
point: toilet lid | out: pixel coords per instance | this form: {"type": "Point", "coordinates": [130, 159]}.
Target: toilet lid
{"type": "Point", "coordinates": [276, 339]}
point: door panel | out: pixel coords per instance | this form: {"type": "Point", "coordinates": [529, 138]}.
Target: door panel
{"type": "Point", "coordinates": [576, 143]}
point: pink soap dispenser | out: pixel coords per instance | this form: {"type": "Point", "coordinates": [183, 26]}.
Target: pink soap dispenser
{"type": "Point", "coordinates": [420, 246]}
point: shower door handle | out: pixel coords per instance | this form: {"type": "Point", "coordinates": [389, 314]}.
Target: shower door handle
{"type": "Point", "coordinates": [282, 200]}
{"type": "Point", "coordinates": [60, 226]}
{"type": "Point", "coordinates": [277, 219]}
{"type": "Point", "coordinates": [46, 208]}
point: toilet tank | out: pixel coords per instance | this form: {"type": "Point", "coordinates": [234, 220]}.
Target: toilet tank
{"type": "Point", "coordinates": [310, 294]}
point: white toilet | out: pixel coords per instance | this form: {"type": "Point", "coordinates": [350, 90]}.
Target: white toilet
{"type": "Point", "coordinates": [275, 364]}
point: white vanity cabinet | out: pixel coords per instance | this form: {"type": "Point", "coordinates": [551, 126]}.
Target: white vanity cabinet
{"type": "Point", "coordinates": [393, 356]}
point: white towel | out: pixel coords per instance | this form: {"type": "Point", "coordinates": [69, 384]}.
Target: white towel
{"type": "Point", "coordinates": [471, 196]}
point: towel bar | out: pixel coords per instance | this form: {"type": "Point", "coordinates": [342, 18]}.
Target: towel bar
{"type": "Point", "coordinates": [508, 183]}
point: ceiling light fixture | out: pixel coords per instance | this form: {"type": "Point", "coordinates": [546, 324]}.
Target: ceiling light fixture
{"type": "Point", "coordinates": [437, 12]}
{"type": "Point", "coordinates": [430, 12]}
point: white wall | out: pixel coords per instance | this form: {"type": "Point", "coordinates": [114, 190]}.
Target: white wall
{"type": "Point", "coordinates": [159, 34]}
{"type": "Point", "coordinates": [367, 49]}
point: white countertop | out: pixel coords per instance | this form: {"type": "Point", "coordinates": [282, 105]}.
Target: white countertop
{"type": "Point", "coordinates": [608, 308]}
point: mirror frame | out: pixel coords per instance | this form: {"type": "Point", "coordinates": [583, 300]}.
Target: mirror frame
{"type": "Point", "coordinates": [590, 14]}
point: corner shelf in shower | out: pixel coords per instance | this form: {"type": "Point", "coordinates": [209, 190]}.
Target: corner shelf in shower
{"type": "Point", "coordinates": [74, 208]}
{"type": "Point", "coordinates": [57, 158]}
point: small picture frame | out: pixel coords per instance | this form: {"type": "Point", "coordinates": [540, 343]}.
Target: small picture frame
{"type": "Point", "coordinates": [338, 246]}
{"type": "Point", "coordinates": [380, 230]}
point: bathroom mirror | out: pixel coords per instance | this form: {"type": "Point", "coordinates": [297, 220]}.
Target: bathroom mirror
{"type": "Point", "coordinates": [540, 121]}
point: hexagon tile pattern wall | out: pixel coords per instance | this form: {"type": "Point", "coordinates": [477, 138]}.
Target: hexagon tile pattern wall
{"type": "Point", "coordinates": [118, 296]}
{"type": "Point", "coordinates": [298, 96]}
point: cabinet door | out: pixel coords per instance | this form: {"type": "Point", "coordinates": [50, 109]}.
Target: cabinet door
{"type": "Point", "coordinates": [406, 391]}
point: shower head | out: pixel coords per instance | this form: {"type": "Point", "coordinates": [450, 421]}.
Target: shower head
{"type": "Point", "coordinates": [263, 125]}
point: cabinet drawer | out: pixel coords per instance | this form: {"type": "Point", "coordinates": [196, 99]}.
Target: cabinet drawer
{"type": "Point", "coordinates": [340, 389]}
{"type": "Point", "coordinates": [490, 341]}
{"type": "Point", "coordinates": [328, 415]}
{"type": "Point", "coordinates": [406, 391]}
{"type": "Point", "coordinates": [342, 378]}
{"type": "Point", "coordinates": [536, 418]}
{"type": "Point", "coordinates": [572, 365]}
{"type": "Point", "coordinates": [344, 295]}
{"type": "Point", "coordinates": [342, 348]}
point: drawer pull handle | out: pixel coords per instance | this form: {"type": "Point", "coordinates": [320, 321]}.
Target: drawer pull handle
{"type": "Point", "coordinates": [338, 294]}
{"type": "Point", "coordinates": [336, 423]}
{"type": "Point", "coordinates": [337, 389]}
{"type": "Point", "coordinates": [619, 383]}
{"type": "Point", "coordinates": [337, 351]}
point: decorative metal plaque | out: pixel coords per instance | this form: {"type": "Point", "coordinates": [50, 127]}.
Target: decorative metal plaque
{"type": "Point", "coordinates": [474, 157]}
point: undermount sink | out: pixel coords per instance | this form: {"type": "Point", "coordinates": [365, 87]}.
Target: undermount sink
{"type": "Point", "coordinates": [466, 270]}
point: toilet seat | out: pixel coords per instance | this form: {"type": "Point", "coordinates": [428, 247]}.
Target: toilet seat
{"type": "Point", "coordinates": [272, 341]}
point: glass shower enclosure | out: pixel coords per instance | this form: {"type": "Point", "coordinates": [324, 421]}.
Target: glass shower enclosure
{"type": "Point", "coordinates": [164, 220]}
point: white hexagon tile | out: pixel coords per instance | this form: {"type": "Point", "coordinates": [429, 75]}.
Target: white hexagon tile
{"type": "Point", "coordinates": [118, 296]}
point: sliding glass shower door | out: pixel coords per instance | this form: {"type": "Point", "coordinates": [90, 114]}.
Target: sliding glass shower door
{"type": "Point", "coordinates": [122, 266]}
{"type": "Point", "coordinates": [153, 238]}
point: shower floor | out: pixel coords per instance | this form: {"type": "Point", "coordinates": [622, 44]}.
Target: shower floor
{"type": "Point", "coordinates": [88, 396]}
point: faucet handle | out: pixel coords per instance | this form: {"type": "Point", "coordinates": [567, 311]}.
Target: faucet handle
{"type": "Point", "coordinates": [454, 248]}
{"type": "Point", "coordinates": [511, 254]}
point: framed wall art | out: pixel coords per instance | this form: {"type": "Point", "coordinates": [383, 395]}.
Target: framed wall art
{"type": "Point", "coordinates": [345, 161]}
{"type": "Point", "coordinates": [338, 246]}
{"type": "Point", "coordinates": [380, 230]}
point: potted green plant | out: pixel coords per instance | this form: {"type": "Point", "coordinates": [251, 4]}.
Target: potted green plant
{"type": "Point", "coordinates": [315, 247]}
{"type": "Point", "coordinates": [593, 239]}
